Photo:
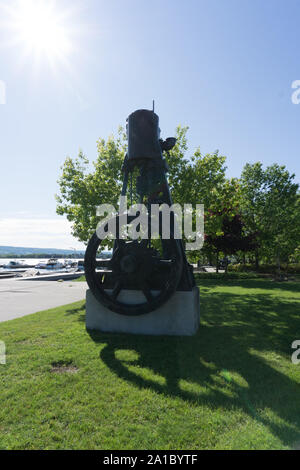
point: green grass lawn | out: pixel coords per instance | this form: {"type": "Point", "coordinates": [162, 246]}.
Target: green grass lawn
{"type": "Point", "coordinates": [233, 386]}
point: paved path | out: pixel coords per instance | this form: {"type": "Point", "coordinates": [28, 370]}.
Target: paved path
{"type": "Point", "coordinates": [20, 298]}
{"type": "Point", "coordinates": [212, 269]}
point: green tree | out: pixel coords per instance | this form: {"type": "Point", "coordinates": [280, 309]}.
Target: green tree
{"type": "Point", "coordinates": [84, 186]}
{"type": "Point", "coordinates": [221, 210]}
{"type": "Point", "coordinates": [270, 206]}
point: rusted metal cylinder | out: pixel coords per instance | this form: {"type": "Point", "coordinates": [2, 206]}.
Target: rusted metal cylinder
{"type": "Point", "coordinates": [143, 135]}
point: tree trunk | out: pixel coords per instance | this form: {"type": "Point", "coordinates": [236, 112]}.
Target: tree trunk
{"type": "Point", "coordinates": [217, 270]}
{"type": "Point", "coordinates": [278, 264]}
{"type": "Point", "coordinates": [287, 269]}
{"type": "Point", "coordinates": [256, 260]}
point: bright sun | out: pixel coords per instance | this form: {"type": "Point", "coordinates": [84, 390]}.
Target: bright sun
{"type": "Point", "coordinates": [40, 28]}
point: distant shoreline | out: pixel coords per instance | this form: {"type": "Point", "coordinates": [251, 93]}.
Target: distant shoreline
{"type": "Point", "coordinates": [77, 255]}
{"type": "Point", "coordinates": [19, 252]}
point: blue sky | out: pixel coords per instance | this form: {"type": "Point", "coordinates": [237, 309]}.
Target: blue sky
{"type": "Point", "coordinates": [224, 68]}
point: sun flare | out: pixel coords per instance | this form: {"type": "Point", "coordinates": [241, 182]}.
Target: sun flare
{"type": "Point", "coordinates": [40, 28]}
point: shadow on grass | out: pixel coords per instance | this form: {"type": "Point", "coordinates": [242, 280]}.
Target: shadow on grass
{"type": "Point", "coordinates": [222, 364]}
{"type": "Point", "coordinates": [80, 311]}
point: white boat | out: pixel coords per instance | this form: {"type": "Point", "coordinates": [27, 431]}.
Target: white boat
{"type": "Point", "coordinates": [41, 265]}
{"type": "Point", "coordinates": [52, 263]}
{"type": "Point", "coordinates": [16, 265]}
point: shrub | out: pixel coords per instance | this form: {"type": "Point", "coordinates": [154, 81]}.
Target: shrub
{"type": "Point", "coordinates": [199, 276]}
{"type": "Point", "coordinates": [264, 268]}
{"type": "Point", "coordinates": [240, 268]}
{"type": "Point", "coordinates": [293, 268]}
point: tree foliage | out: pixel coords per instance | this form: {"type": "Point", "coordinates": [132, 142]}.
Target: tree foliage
{"type": "Point", "coordinates": [270, 205]}
{"type": "Point", "coordinates": [260, 211]}
{"type": "Point", "coordinates": [83, 186]}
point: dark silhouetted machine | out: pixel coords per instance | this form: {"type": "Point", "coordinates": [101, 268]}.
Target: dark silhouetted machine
{"type": "Point", "coordinates": [157, 267]}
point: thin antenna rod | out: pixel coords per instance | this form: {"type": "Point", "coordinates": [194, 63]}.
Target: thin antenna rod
{"type": "Point", "coordinates": [153, 103]}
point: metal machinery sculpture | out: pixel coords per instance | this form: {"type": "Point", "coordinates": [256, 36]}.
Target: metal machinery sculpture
{"type": "Point", "coordinates": [137, 264]}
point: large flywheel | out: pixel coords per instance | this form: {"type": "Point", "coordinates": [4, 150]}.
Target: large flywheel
{"type": "Point", "coordinates": [134, 266]}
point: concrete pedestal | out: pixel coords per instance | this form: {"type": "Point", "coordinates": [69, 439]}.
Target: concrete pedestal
{"type": "Point", "coordinates": [180, 316]}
